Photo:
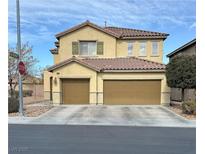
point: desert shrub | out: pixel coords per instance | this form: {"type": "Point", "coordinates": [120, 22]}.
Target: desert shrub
{"type": "Point", "coordinates": [13, 105]}
{"type": "Point", "coordinates": [181, 73]}
{"type": "Point", "coordinates": [189, 107]}
{"type": "Point", "coordinates": [13, 93]}
{"type": "Point", "coordinates": [27, 93]}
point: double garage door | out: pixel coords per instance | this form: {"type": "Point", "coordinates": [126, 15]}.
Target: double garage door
{"type": "Point", "coordinates": [115, 92]}
{"type": "Point", "coordinates": [136, 92]}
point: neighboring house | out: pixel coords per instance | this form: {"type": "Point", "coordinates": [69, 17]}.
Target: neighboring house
{"type": "Point", "coordinates": [186, 49]}
{"type": "Point", "coordinates": [107, 65]}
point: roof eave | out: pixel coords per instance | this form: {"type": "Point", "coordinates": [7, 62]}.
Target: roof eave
{"type": "Point", "coordinates": [137, 71]}
{"type": "Point", "coordinates": [87, 23]}
{"type": "Point", "coordinates": [54, 51]}
{"type": "Point", "coordinates": [144, 37]}
{"type": "Point", "coordinates": [181, 48]}
{"type": "Point", "coordinates": [52, 68]}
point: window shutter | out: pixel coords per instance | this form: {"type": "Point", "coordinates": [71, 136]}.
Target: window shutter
{"type": "Point", "coordinates": [100, 48]}
{"type": "Point", "coordinates": [75, 50]}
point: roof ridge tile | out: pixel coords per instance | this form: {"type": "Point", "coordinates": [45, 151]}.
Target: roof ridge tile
{"type": "Point", "coordinates": [117, 32]}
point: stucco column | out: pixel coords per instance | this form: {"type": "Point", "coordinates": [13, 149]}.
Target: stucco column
{"type": "Point", "coordinates": [100, 90]}
{"type": "Point", "coordinates": [46, 85]}
{"type": "Point", "coordinates": [165, 92]}
{"type": "Point", "coordinates": [57, 100]}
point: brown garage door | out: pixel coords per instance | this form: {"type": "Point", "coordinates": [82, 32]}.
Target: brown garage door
{"type": "Point", "coordinates": [75, 91]}
{"type": "Point", "coordinates": [131, 92]}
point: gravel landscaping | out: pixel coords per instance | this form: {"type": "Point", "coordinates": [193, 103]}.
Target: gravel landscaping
{"type": "Point", "coordinates": [178, 110]}
{"type": "Point", "coordinates": [32, 111]}
{"type": "Point", "coordinates": [34, 107]}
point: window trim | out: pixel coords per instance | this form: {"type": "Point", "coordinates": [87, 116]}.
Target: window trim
{"type": "Point", "coordinates": [128, 43]}
{"type": "Point", "coordinates": [85, 55]}
{"type": "Point", "coordinates": [145, 55]}
{"type": "Point", "coordinates": [157, 54]}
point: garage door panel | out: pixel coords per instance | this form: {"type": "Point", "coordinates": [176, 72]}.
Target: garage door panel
{"type": "Point", "coordinates": [131, 92]}
{"type": "Point", "coordinates": [75, 91]}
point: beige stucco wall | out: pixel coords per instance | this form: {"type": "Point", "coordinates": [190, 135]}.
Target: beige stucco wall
{"type": "Point", "coordinates": [122, 49]}
{"type": "Point", "coordinates": [85, 33]}
{"type": "Point", "coordinates": [112, 47]}
{"type": "Point", "coordinates": [75, 70]}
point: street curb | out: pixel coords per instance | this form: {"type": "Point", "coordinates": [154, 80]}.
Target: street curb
{"type": "Point", "coordinates": [109, 125]}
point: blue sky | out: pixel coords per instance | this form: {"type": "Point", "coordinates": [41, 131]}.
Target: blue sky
{"type": "Point", "coordinates": [42, 19]}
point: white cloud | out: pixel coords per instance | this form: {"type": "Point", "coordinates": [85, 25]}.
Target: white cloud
{"type": "Point", "coordinates": [193, 25]}
{"type": "Point", "coordinates": [41, 19]}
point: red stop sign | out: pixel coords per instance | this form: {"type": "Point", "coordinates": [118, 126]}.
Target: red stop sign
{"type": "Point", "coordinates": [22, 68]}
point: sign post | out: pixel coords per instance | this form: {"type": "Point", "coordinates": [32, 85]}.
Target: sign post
{"type": "Point", "coordinates": [19, 59]}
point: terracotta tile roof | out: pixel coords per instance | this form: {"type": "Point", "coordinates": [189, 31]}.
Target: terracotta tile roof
{"type": "Point", "coordinates": [56, 43]}
{"type": "Point", "coordinates": [128, 64]}
{"type": "Point", "coordinates": [120, 33]}
{"type": "Point", "coordinates": [126, 33]}
{"type": "Point", "coordinates": [54, 50]}
{"type": "Point", "coordinates": [86, 23]}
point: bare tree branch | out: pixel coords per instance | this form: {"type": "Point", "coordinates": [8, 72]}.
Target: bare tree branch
{"type": "Point", "coordinates": [27, 58]}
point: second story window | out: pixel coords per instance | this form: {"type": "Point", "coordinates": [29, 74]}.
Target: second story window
{"type": "Point", "coordinates": [154, 48]}
{"type": "Point", "coordinates": [143, 51]}
{"type": "Point", "coordinates": [88, 48]}
{"type": "Point", "coordinates": [130, 48]}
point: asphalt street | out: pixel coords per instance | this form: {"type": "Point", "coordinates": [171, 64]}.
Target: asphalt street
{"type": "Point", "coordinates": [76, 139]}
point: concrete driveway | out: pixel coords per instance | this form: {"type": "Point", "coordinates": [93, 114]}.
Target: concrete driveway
{"type": "Point", "coordinates": [122, 115]}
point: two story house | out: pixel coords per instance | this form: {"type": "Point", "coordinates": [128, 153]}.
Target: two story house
{"type": "Point", "coordinates": [107, 65]}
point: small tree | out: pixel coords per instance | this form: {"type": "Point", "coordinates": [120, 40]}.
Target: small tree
{"type": "Point", "coordinates": [29, 61]}
{"type": "Point", "coordinates": [181, 73]}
